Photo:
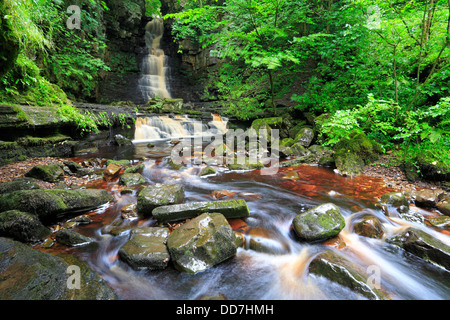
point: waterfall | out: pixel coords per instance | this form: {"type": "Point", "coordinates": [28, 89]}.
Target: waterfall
{"type": "Point", "coordinates": [154, 65]}
{"type": "Point", "coordinates": [165, 127]}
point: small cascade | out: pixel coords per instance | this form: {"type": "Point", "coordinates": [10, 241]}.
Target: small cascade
{"type": "Point", "coordinates": [154, 65]}
{"type": "Point", "coordinates": [156, 128]}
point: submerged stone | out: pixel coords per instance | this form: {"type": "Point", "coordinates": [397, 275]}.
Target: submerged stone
{"type": "Point", "coordinates": [319, 223]}
{"type": "Point", "coordinates": [146, 249]}
{"type": "Point", "coordinates": [159, 195]}
{"type": "Point", "coordinates": [229, 208]}
{"type": "Point", "coordinates": [201, 243]}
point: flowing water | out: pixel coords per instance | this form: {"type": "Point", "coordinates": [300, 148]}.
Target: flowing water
{"type": "Point", "coordinates": [153, 82]}
{"type": "Point", "coordinates": [280, 272]}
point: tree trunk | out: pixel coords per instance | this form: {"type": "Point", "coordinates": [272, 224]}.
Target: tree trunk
{"type": "Point", "coordinates": [274, 106]}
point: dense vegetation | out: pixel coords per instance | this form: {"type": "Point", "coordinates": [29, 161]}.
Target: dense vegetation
{"type": "Point", "coordinates": [378, 67]}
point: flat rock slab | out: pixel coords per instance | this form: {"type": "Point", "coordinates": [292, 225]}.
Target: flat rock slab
{"type": "Point", "coordinates": [146, 249]}
{"type": "Point", "coordinates": [158, 195]}
{"type": "Point", "coordinates": [229, 208]}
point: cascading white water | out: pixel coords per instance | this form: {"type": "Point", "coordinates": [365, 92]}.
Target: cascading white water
{"type": "Point", "coordinates": [165, 127]}
{"type": "Point", "coordinates": [154, 65]}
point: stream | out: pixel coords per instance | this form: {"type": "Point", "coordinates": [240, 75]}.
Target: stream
{"type": "Point", "coordinates": [280, 273]}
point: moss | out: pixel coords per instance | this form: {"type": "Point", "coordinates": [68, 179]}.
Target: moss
{"type": "Point", "coordinates": [359, 144]}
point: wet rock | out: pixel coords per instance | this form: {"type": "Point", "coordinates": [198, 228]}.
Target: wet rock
{"type": "Point", "coordinates": [129, 211]}
{"type": "Point", "coordinates": [71, 238]}
{"type": "Point", "coordinates": [219, 194]}
{"type": "Point", "coordinates": [120, 163]}
{"type": "Point", "coordinates": [299, 150]}
{"type": "Point", "coordinates": [207, 171]}
{"type": "Point", "coordinates": [423, 245]}
{"type": "Point", "coordinates": [244, 163]}
{"type": "Point", "coordinates": [50, 205]}
{"type": "Point", "coordinates": [369, 226]}
{"type": "Point", "coordinates": [327, 161]}
{"type": "Point", "coordinates": [285, 151]}
{"type": "Point", "coordinates": [201, 243]}
{"type": "Point", "coordinates": [22, 226]}
{"type": "Point", "coordinates": [219, 296]}
{"type": "Point", "coordinates": [297, 161]}
{"type": "Point", "coordinates": [440, 222]}
{"type": "Point", "coordinates": [49, 173]}
{"type": "Point", "coordinates": [287, 142]}
{"type": "Point", "coordinates": [304, 136]}
{"type": "Point", "coordinates": [76, 169]}
{"type": "Point", "coordinates": [19, 184]}
{"type": "Point", "coordinates": [444, 207]}
{"type": "Point", "coordinates": [336, 268]}
{"type": "Point", "coordinates": [427, 198]}
{"type": "Point", "coordinates": [319, 223]}
{"type": "Point", "coordinates": [135, 169]}
{"type": "Point", "coordinates": [146, 249]}
{"type": "Point", "coordinates": [395, 199]}
{"type": "Point", "coordinates": [265, 245]}
{"type": "Point", "coordinates": [158, 195]}
{"type": "Point", "coordinates": [120, 140]}
{"type": "Point", "coordinates": [112, 171]}
{"type": "Point", "coordinates": [132, 179]}
{"type": "Point", "coordinates": [174, 165]}
{"type": "Point", "coordinates": [229, 208]}
{"type": "Point", "coordinates": [29, 274]}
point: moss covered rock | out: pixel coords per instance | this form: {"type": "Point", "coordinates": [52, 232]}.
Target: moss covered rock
{"type": "Point", "coordinates": [49, 173]}
{"type": "Point", "coordinates": [146, 249]}
{"type": "Point", "coordinates": [71, 238]}
{"type": "Point", "coordinates": [423, 245]}
{"type": "Point", "coordinates": [201, 243]}
{"type": "Point", "coordinates": [22, 226]}
{"type": "Point", "coordinates": [50, 205]}
{"type": "Point", "coordinates": [132, 179]}
{"type": "Point", "coordinates": [304, 136]}
{"type": "Point", "coordinates": [336, 268]}
{"type": "Point", "coordinates": [229, 208]}
{"type": "Point", "coordinates": [369, 226]}
{"type": "Point", "coordinates": [348, 163]}
{"type": "Point", "coordinates": [319, 223]}
{"type": "Point", "coordinates": [19, 184]}
{"type": "Point", "coordinates": [359, 144]}
{"type": "Point", "coordinates": [158, 195]}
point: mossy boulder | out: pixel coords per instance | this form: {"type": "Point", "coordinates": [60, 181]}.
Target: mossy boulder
{"type": "Point", "coordinates": [159, 195]}
{"type": "Point", "coordinates": [229, 208]}
{"type": "Point", "coordinates": [201, 243]}
{"type": "Point", "coordinates": [244, 163]}
{"type": "Point", "coordinates": [29, 274]}
{"type": "Point", "coordinates": [19, 184]}
{"type": "Point", "coordinates": [423, 245]}
{"type": "Point", "coordinates": [146, 249]}
{"type": "Point", "coordinates": [304, 136]}
{"type": "Point", "coordinates": [359, 144]}
{"type": "Point", "coordinates": [50, 205]}
{"type": "Point", "coordinates": [49, 173]}
{"type": "Point", "coordinates": [272, 123]}
{"type": "Point", "coordinates": [132, 179]}
{"type": "Point", "coordinates": [319, 223]}
{"type": "Point", "coordinates": [207, 171]}
{"type": "Point", "coordinates": [348, 163]}
{"type": "Point", "coordinates": [298, 149]}
{"type": "Point", "coordinates": [135, 169]}
{"type": "Point", "coordinates": [336, 268]}
{"type": "Point", "coordinates": [22, 226]}
{"type": "Point", "coordinates": [395, 199]}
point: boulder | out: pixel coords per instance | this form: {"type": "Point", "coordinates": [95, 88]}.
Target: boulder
{"type": "Point", "coordinates": [395, 199]}
{"type": "Point", "coordinates": [369, 226]}
{"type": "Point", "coordinates": [22, 226]}
{"type": "Point", "coordinates": [440, 221]}
{"type": "Point", "coordinates": [428, 198]}
{"type": "Point", "coordinates": [229, 208]}
{"type": "Point", "coordinates": [76, 169]}
{"type": "Point", "coordinates": [135, 169]}
{"type": "Point", "coordinates": [201, 243]}
{"type": "Point", "coordinates": [423, 245]}
{"type": "Point", "coordinates": [146, 249]}
{"type": "Point", "coordinates": [51, 205]}
{"type": "Point", "coordinates": [244, 163]}
{"type": "Point", "coordinates": [207, 171]}
{"type": "Point", "coordinates": [49, 173]}
{"type": "Point", "coordinates": [158, 195]}
{"type": "Point", "coordinates": [120, 140]}
{"type": "Point", "coordinates": [29, 274]}
{"type": "Point", "coordinates": [304, 136]}
{"type": "Point", "coordinates": [360, 145]}
{"type": "Point", "coordinates": [319, 223]}
{"type": "Point", "coordinates": [112, 171]}
{"type": "Point", "coordinates": [71, 238]}
{"type": "Point", "coordinates": [444, 207]}
{"type": "Point", "coordinates": [19, 184]}
{"type": "Point", "coordinates": [299, 150]}
{"type": "Point", "coordinates": [336, 268]}
{"type": "Point", "coordinates": [132, 179]}
{"type": "Point", "coordinates": [129, 211]}
{"type": "Point", "coordinates": [348, 163]}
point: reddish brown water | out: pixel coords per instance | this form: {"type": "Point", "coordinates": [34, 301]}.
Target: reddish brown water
{"type": "Point", "coordinates": [273, 201]}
